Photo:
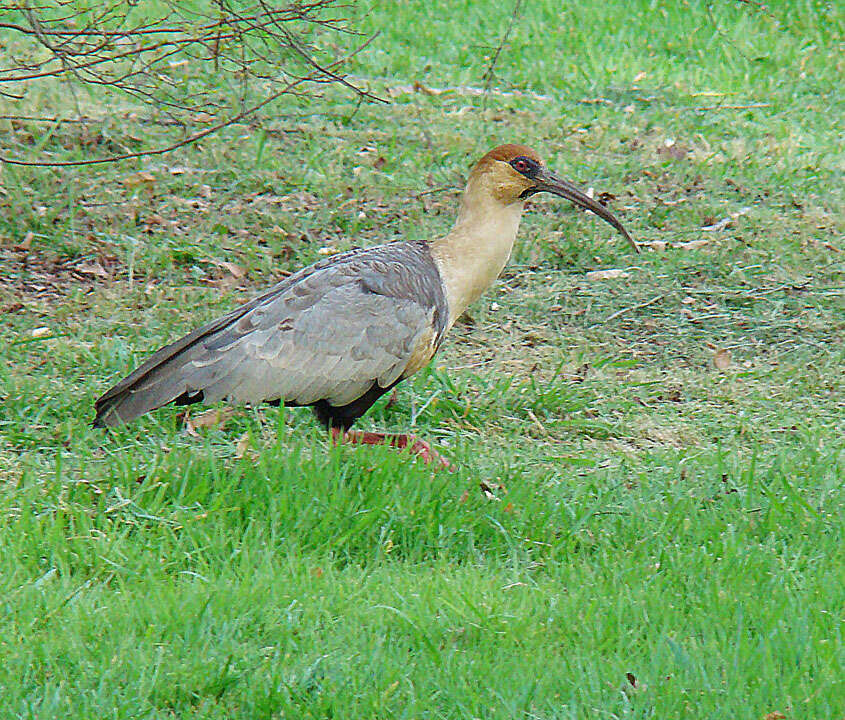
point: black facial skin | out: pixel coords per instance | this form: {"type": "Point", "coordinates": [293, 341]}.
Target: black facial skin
{"type": "Point", "coordinates": [525, 166]}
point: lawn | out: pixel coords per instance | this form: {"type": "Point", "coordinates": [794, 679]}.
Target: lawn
{"type": "Point", "coordinates": [661, 534]}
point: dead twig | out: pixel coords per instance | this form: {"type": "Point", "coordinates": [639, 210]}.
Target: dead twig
{"type": "Point", "coordinates": [85, 120]}
{"type": "Point", "coordinates": [490, 73]}
{"type": "Point", "coordinates": [615, 315]}
{"type": "Point", "coordinates": [749, 106]}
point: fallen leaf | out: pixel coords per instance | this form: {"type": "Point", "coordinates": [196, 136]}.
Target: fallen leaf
{"type": "Point", "coordinates": [93, 268]}
{"type": "Point", "coordinates": [40, 332]}
{"type": "Point", "coordinates": [692, 244]}
{"type": "Point", "coordinates": [825, 245]}
{"type": "Point", "coordinates": [488, 488]}
{"type": "Point", "coordinates": [242, 446]}
{"type": "Point", "coordinates": [726, 221]}
{"type": "Point", "coordinates": [419, 87]}
{"type": "Point", "coordinates": [233, 269]}
{"type": "Point", "coordinates": [640, 75]}
{"type": "Point", "coordinates": [138, 178]}
{"type": "Point", "coordinates": [26, 242]}
{"type": "Point", "coordinates": [720, 225]}
{"type": "Point", "coordinates": [607, 274]}
{"type": "Point", "coordinates": [154, 219]}
{"type": "Point", "coordinates": [722, 359]}
{"type": "Point", "coordinates": [774, 715]}
{"type": "Point", "coordinates": [631, 685]}
{"type": "Point", "coordinates": [210, 418]}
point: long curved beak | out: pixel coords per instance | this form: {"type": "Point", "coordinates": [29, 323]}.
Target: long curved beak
{"type": "Point", "coordinates": [547, 181]}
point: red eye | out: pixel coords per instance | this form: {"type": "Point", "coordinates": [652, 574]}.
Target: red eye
{"type": "Point", "coordinates": [520, 166]}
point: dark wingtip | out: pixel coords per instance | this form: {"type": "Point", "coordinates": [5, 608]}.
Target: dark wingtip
{"type": "Point", "coordinates": [97, 422]}
{"type": "Point", "coordinates": [103, 408]}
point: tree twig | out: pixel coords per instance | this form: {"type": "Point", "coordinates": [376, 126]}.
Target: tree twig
{"type": "Point", "coordinates": [615, 315]}
{"type": "Point", "coordinates": [749, 106]}
{"type": "Point", "coordinates": [490, 72]}
{"type": "Point", "coordinates": [257, 48]}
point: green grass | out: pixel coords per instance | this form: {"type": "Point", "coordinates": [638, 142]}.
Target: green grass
{"type": "Point", "coordinates": [657, 516]}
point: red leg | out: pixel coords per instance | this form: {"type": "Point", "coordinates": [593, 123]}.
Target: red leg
{"type": "Point", "coordinates": [396, 440]}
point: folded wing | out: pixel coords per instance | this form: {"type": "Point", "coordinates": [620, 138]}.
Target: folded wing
{"type": "Point", "coordinates": [328, 333]}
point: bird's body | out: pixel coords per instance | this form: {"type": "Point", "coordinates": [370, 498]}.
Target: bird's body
{"type": "Point", "coordinates": [340, 333]}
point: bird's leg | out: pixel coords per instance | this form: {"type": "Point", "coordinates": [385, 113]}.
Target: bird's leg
{"type": "Point", "coordinates": [396, 440]}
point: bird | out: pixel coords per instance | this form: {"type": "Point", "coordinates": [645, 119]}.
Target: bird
{"type": "Point", "coordinates": [339, 334]}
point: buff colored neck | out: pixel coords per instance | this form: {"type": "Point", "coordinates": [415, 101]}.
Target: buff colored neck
{"type": "Point", "coordinates": [475, 251]}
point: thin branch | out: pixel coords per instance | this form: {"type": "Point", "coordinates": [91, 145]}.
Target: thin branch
{"type": "Point", "coordinates": [749, 106]}
{"type": "Point", "coordinates": [490, 72]}
{"type": "Point", "coordinates": [85, 120]}
{"type": "Point", "coordinates": [629, 309]}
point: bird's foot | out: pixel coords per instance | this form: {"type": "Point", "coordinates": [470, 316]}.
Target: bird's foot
{"type": "Point", "coordinates": [397, 440]}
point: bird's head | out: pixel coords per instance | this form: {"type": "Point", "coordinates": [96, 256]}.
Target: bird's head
{"type": "Point", "coordinates": [513, 173]}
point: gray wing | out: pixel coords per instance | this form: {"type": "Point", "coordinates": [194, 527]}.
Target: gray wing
{"type": "Point", "coordinates": [326, 333]}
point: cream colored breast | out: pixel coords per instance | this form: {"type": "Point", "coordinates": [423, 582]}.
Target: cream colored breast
{"type": "Point", "coordinates": [422, 354]}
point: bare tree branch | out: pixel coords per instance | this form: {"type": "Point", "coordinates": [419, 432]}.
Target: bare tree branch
{"type": "Point", "coordinates": [218, 59]}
